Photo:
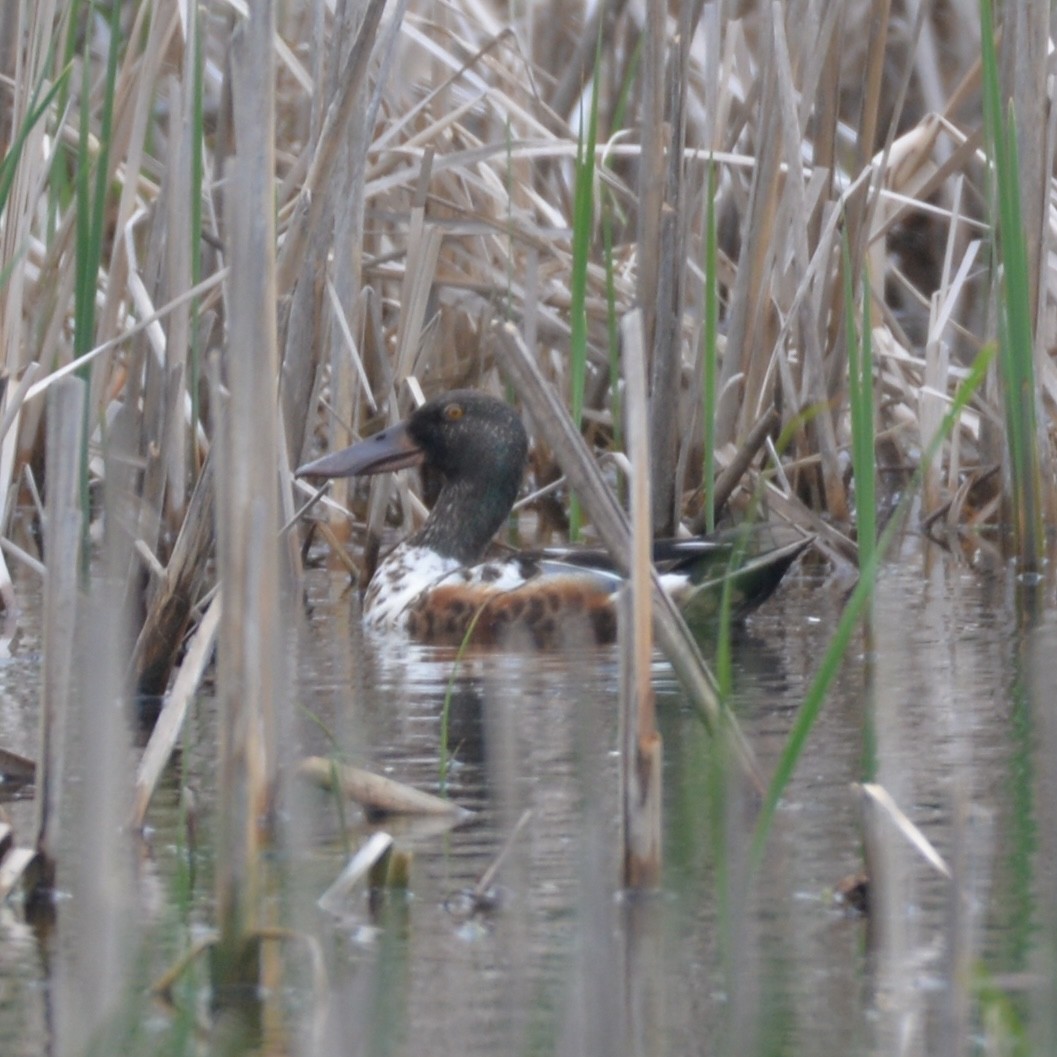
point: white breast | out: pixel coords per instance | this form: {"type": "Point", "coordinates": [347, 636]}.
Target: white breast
{"type": "Point", "coordinates": [409, 571]}
{"type": "Point", "coordinates": [399, 580]}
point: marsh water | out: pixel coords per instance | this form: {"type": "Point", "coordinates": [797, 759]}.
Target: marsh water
{"type": "Point", "coordinates": [953, 690]}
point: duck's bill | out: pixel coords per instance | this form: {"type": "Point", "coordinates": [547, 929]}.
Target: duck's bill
{"type": "Point", "coordinates": [392, 449]}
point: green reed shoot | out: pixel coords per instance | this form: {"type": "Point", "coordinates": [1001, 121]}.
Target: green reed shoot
{"type": "Point", "coordinates": [710, 350]}
{"type": "Point", "coordinates": [583, 231]}
{"type": "Point", "coordinates": [724, 652]}
{"type": "Point", "coordinates": [60, 190]}
{"type": "Point", "coordinates": [860, 394]}
{"type": "Point", "coordinates": [612, 324]}
{"type": "Point", "coordinates": [91, 225]}
{"type": "Point", "coordinates": [1002, 1024]}
{"type": "Point", "coordinates": [1016, 340]}
{"type": "Point", "coordinates": [197, 176]}
{"type": "Point", "coordinates": [444, 752]}
{"type": "Point", "coordinates": [860, 391]}
{"type": "Point", "coordinates": [38, 107]}
{"type": "Point", "coordinates": [92, 194]}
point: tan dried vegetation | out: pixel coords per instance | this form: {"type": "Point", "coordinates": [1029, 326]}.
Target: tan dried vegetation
{"type": "Point", "coordinates": [424, 190]}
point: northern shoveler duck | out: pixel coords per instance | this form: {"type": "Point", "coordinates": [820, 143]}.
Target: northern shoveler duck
{"type": "Point", "coordinates": [436, 585]}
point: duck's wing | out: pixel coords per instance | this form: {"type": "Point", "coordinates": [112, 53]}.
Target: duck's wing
{"type": "Point", "coordinates": [694, 569]}
{"type": "Point", "coordinates": [669, 555]}
{"type": "Point", "coordinates": [695, 555]}
{"type": "Point", "coordinates": [752, 582]}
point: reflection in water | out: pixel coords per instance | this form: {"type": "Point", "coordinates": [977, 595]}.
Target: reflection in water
{"type": "Point", "coordinates": [547, 956]}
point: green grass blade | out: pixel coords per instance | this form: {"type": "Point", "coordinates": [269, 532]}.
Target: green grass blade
{"type": "Point", "coordinates": [91, 196]}
{"type": "Point", "coordinates": [197, 178]}
{"type": "Point", "coordinates": [711, 352]}
{"type": "Point", "coordinates": [724, 649]}
{"type": "Point", "coordinates": [1016, 338]}
{"type": "Point", "coordinates": [38, 108]}
{"type": "Point", "coordinates": [612, 326]}
{"type": "Point", "coordinates": [860, 386]}
{"type": "Point", "coordinates": [583, 231]}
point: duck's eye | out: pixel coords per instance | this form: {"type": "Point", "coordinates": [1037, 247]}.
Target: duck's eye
{"type": "Point", "coordinates": [453, 412]}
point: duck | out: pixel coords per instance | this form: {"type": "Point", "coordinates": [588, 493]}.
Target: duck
{"type": "Point", "coordinates": [441, 586]}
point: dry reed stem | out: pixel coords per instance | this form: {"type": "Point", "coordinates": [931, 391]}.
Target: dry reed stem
{"type": "Point", "coordinates": [634, 359]}
{"type": "Point", "coordinates": [371, 857]}
{"type": "Point", "coordinates": [881, 800]}
{"type": "Point", "coordinates": [375, 792]}
{"type": "Point", "coordinates": [250, 671]}
{"type": "Point", "coordinates": [642, 749]}
{"type": "Point", "coordinates": [62, 550]}
{"type": "Point", "coordinates": [102, 859]}
{"type": "Point", "coordinates": [423, 184]}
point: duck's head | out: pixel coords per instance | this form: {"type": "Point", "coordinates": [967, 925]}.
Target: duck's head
{"type": "Point", "coordinates": [473, 442]}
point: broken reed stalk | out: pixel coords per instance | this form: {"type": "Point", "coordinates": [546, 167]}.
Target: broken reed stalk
{"type": "Point", "coordinates": [170, 720]}
{"type": "Point", "coordinates": [170, 607]}
{"type": "Point", "coordinates": [250, 649]}
{"type": "Point", "coordinates": [62, 550]}
{"type": "Point", "coordinates": [1015, 319]}
{"type": "Point", "coordinates": [98, 844]}
{"type": "Point", "coordinates": [642, 748]}
{"type": "Point", "coordinates": [370, 863]}
{"type": "Point", "coordinates": [376, 793]}
{"type": "Point", "coordinates": [723, 486]}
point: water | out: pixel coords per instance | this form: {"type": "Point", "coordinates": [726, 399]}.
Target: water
{"type": "Point", "coordinates": [555, 959]}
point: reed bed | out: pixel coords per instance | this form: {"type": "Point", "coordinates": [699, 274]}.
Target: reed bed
{"type": "Point", "coordinates": [468, 209]}
{"type": "Point", "coordinates": [826, 214]}
{"type": "Point", "coordinates": [426, 188]}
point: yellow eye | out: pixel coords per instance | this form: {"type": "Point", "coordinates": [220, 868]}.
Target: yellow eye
{"type": "Point", "coordinates": [453, 412]}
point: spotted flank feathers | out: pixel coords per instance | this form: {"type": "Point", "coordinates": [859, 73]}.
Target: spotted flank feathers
{"type": "Point", "coordinates": [437, 601]}
{"type": "Point", "coordinates": [436, 588]}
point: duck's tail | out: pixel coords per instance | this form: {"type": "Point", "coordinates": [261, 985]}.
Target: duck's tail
{"type": "Point", "coordinates": [754, 573]}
